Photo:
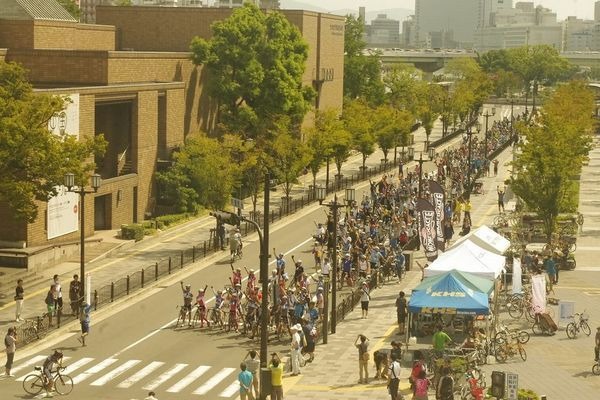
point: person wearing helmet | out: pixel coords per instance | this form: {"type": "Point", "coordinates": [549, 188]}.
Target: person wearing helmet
{"type": "Point", "coordinates": [236, 276]}
{"type": "Point", "coordinates": [251, 284]}
{"type": "Point", "coordinates": [299, 270]}
{"type": "Point", "coordinates": [279, 263]}
{"type": "Point", "coordinates": [217, 313]}
{"type": "Point", "coordinates": [188, 297]}
{"type": "Point", "coordinates": [234, 306]}
{"type": "Point", "coordinates": [84, 320]}
{"type": "Point", "coordinates": [202, 307]}
{"type": "Point", "coordinates": [53, 359]}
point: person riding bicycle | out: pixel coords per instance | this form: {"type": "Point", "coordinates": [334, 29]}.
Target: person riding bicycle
{"type": "Point", "coordinates": [236, 276]}
{"type": "Point", "coordinates": [200, 302]}
{"type": "Point", "coordinates": [188, 297]}
{"type": "Point", "coordinates": [234, 309]}
{"type": "Point", "coordinates": [53, 359]}
{"type": "Point", "coordinates": [251, 284]}
{"type": "Point", "coordinates": [235, 243]}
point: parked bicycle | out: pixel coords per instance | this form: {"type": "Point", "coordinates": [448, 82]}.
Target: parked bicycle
{"type": "Point", "coordinates": [505, 335]}
{"type": "Point", "coordinates": [596, 368]}
{"type": "Point", "coordinates": [506, 350]}
{"type": "Point", "coordinates": [579, 325]}
{"type": "Point", "coordinates": [34, 383]}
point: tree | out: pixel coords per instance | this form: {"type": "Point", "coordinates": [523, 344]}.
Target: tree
{"type": "Point", "coordinates": [256, 63]}
{"type": "Point", "coordinates": [362, 73]}
{"type": "Point", "coordinates": [357, 121]}
{"type": "Point", "coordinates": [429, 105]}
{"type": "Point", "coordinates": [290, 157]}
{"type": "Point", "coordinates": [33, 161]}
{"type": "Point", "coordinates": [401, 85]}
{"type": "Point", "coordinates": [553, 150]}
{"type": "Point", "coordinates": [387, 127]}
{"type": "Point", "coordinates": [71, 7]}
{"type": "Point", "coordinates": [123, 3]}
{"type": "Point", "coordinates": [318, 140]}
{"type": "Point", "coordinates": [202, 174]}
{"type": "Point", "coordinates": [471, 88]}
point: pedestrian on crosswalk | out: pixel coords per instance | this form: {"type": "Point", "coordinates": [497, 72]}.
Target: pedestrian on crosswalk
{"type": "Point", "coordinates": [10, 343]}
{"type": "Point", "coordinates": [245, 378]}
{"type": "Point", "coordinates": [84, 319]}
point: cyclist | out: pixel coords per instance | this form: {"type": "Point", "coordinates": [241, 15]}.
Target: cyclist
{"type": "Point", "coordinates": [298, 272]}
{"type": "Point", "coordinates": [188, 297]}
{"type": "Point", "coordinates": [235, 244]}
{"type": "Point", "coordinates": [53, 359]}
{"type": "Point", "coordinates": [234, 307]}
{"type": "Point", "coordinates": [320, 233]}
{"type": "Point", "coordinates": [202, 306]}
{"type": "Point", "coordinates": [251, 284]}
{"type": "Point", "coordinates": [237, 276]}
{"type": "Point", "coordinates": [217, 309]}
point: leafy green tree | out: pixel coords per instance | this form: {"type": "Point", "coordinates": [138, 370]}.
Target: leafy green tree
{"type": "Point", "coordinates": [552, 153]}
{"type": "Point", "coordinates": [388, 126]}
{"type": "Point", "coordinates": [256, 62]}
{"type": "Point", "coordinates": [33, 161]}
{"type": "Point", "coordinates": [362, 72]}
{"type": "Point", "coordinates": [357, 121]}
{"type": "Point", "coordinates": [402, 86]}
{"type": "Point", "coordinates": [318, 140]}
{"type": "Point", "coordinates": [202, 174]}
{"type": "Point", "coordinates": [290, 157]}
{"type": "Point", "coordinates": [429, 105]}
{"type": "Point", "coordinates": [71, 7]}
{"type": "Point", "coordinates": [123, 3]}
{"type": "Point", "coordinates": [471, 88]}
{"type": "Point", "coordinates": [494, 61]}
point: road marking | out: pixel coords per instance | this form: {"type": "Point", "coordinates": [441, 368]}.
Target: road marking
{"type": "Point", "coordinates": [115, 373]}
{"type": "Point", "coordinates": [138, 376]}
{"type": "Point", "coordinates": [214, 381]}
{"type": "Point", "coordinates": [77, 365]}
{"type": "Point", "coordinates": [28, 363]}
{"type": "Point", "coordinates": [191, 377]}
{"type": "Point", "coordinates": [95, 369]}
{"type": "Point", "coordinates": [154, 332]}
{"type": "Point", "coordinates": [231, 389]}
{"type": "Point", "coordinates": [165, 376]}
{"type": "Point", "coordinates": [22, 378]}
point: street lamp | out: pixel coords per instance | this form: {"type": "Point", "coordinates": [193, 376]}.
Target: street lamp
{"type": "Point", "coordinates": [96, 182]}
{"type": "Point", "coordinates": [411, 153]}
{"type": "Point", "coordinates": [421, 161]}
{"type": "Point", "coordinates": [487, 115]}
{"type": "Point", "coordinates": [469, 133]}
{"type": "Point", "coordinates": [334, 206]}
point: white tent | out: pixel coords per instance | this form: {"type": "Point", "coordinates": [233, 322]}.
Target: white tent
{"type": "Point", "coordinates": [485, 238]}
{"type": "Point", "coordinates": [468, 257]}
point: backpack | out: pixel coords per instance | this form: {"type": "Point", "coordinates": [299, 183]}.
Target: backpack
{"type": "Point", "coordinates": [49, 299]}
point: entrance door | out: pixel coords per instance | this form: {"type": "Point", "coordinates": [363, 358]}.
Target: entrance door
{"type": "Point", "coordinates": [102, 211]}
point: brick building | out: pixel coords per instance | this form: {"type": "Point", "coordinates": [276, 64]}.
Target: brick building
{"type": "Point", "coordinates": [131, 79]}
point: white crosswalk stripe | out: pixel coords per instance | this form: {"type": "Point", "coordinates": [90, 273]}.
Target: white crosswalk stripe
{"type": "Point", "coordinates": [165, 376]}
{"type": "Point", "coordinates": [214, 381]}
{"type": "Point", "coordinates": [231, 389]}
{"type": "Point", "coordinates": [191, 377]}
{"type": "Point", "coordinates": [141, 374]}
{"type": "Point", "coordinates": [76, 365]}
{"type": "Point", "coordinates": [94, 370]}
{"type": "Point", "coordinates": [28, 363]}
{"type": "Point", "coordinates": [22, 378]}
{"type": "Point", "coordinates": [115, 372]}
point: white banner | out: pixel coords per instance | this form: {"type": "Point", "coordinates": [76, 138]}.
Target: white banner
{"type": "Point", "coordinates": [66, 122]}
{"type": "Point", "coordinates": [517, 285]}
{"type": "Point", "coordinates": [512, 386]}
{"type": "Point", "coordinates": [538, 293]}
{"type": "Point", "coordinates": [63, 212]}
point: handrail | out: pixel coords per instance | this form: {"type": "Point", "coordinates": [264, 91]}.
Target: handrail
{"type": "Point", "coordinates": [122, 155]}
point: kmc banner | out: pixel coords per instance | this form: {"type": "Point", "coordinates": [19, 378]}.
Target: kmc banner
{"type": "Point", "coordinates": [427, 230]}
{"type": "Point", "coordinates": [437, 199]}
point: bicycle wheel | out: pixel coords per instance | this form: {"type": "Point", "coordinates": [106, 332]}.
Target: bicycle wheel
{"type": "Point", "coordinates": [522, 353]}
{"type": "Point", "coordinates": [515, 311]}
{"type": "Point", "coordinates": [33, 384]}
{"type": "Point", "coordinates": [571, 330]}
{"type": "Point", "coordinates": [63, 384]}
{"type": "Point", "coordinates": [536, 328]}
{"type": "Point", "coordinates": [195, 318]}
{"type": "Point", "coordinates": [180, 318]}
{"type": "Point", "coordinates": [596, 369]}
{"type": "Point", "coordinates": [501, 355]}
{"type": "Point", "coordinates": [380, 279]}
{"type": "Point", "coordinates": [585, 328]}
{"type": "Point", "coordinates": [523, 337]}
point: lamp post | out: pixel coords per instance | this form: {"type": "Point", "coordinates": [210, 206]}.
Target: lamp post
{"type": "Point", "coordinates": [411, 153]}
{"type": "Point", "coordinates": [469, 132]}
{"type": "Point", "coordinates": [334, 206]}
{"type": "Point", "coordinates": [421, 161]}
{"type": "Point", "coordinates": [487, 115]}
{"type": "Point", "coordinates": [96, 182]}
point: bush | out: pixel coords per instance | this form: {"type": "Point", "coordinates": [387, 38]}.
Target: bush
{"type": "Point", "coordinates": [527, 394]}
{"type": "Point", "coordinates": [132, 231]}
{"type": "Point", "coordinates": [172, 219]}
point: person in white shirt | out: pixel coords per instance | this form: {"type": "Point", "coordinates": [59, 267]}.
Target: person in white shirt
{"type": "Point", "coordinates": [295, 351]}
{"type": "Point", "coordinates": [394, 378]}
{"type": "Point", "coordinates": [57, 286]}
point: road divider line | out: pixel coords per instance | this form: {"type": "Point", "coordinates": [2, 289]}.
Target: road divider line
{"type": "Point", "coordinates": [76, 365]}
{"type": "Point", "coordinates": [191, 377]}
{"type": "Point", "coordinates": [214, 381]}
{"type": "Point", "coordinates": [28, 363]}
{"type": "Point", "coordinates": [165, 376]}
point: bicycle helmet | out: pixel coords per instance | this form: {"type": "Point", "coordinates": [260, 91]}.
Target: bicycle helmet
{"type": "Point", "coordinates": [188, 286]}
{"type": "Point", "coordinates": [219, 292]}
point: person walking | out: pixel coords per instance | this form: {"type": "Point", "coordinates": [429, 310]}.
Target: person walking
{"type": "Point", "coordinates": [295, 349]}
{"type": "Point", "coordinates": [75, 295]}
{"type": "Point", "coordinates": [597, 346]}
{"type": "Point", "coordinates": [50, 303]}
{"type": "Point", "coordinates": [422, 386]}
{"type": "Point", "coordinates": [10, 344]}
{"type": "Point", "coordinates": [364, 299]}
{"type": "Point", "coordinates": [394, 378]}
{"type": "Point", "coordinates": [363, 358]}
{"type": "Point", "coordinates": [401, 311]}
{"type": "Point", "coordinates": [445, 389]}
{"type": "Point", "coordinates": [245, 379]}
{"type": "Point", "coordinates": [58, 300]}
{"type": "Point", "coordinates": [19, 298]}
{"type": "Point", "coordinates": [84, 319]}
{"type": "Point", "coordinates": [253, 366]}
{"type": "Point", "coordinates": [276, 368]}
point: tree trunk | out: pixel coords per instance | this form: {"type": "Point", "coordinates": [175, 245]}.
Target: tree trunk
{"type": "Point", "coordinates": [327, 176]}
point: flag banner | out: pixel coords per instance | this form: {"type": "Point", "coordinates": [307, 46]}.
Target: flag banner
{"type": "Point", "coordinates": [538, 293]}
{"type": "Point", "coordinates": [517, 286]}
{"type": "Point", "coordinates": [438, 198]}
{"type": "Point", "coordinates": [427, 231]}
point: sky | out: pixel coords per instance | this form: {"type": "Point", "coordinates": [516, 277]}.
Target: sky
{"type": "Point", "coordinates": [580, 8]}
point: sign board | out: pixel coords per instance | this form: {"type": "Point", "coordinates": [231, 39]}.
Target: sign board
{"type": "Point", "coordinates": [512, 386]}
{"type": "Point", "coordinates": [237, 203]}
{"type": "Point", "coordinates": [62, 214]}
{"type": "Point", "coordinates": [63, 209]}
{"type": "Point", "coordinates": [565, 310]}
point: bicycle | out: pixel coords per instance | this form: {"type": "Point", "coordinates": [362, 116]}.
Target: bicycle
{"type": "Point", "coordinates": [216, 317]}
{"type": "Point", "coordinates": [596, 368]}
{"type": "Point", "coordinates": [573, 328]}
{"type": "Point", "coordinates": [183, 314]}
{"type": "Point", "coordinates": [34, 383]}
{"type": "Point", "coordinates": [506, 350]}
{"type": "Point", "coordinates": [504, 334]}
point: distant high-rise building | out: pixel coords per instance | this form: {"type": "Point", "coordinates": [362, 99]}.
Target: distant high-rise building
{"type": "Point", "coordinates": [489, 8]}
{"type": "Point", "coordinates": [408, 37]}
{"type": "Point", "coordinates": [597, 11]}
{"type": "Point", "coordinates": [383, 32]}
{"type": "Point", "coordinates": [579, 34]}
{"type": "Point", "coordinates": [461, 17]}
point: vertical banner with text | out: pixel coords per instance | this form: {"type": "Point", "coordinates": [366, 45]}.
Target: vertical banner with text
{"type": "Point", "coordinates": [438, 199]}
{"type": "Point", "coordinates": [427, 231]}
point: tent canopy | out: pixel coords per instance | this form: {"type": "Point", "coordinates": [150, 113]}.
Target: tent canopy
{"type": "Point", "coordinates": [474, 282]}
{"type": "Point", "coordinates": [468, 257]}
{"type": "Point", "coordinates": [449, 294]}
{"type": "Point", "coordinates": [485, 238]}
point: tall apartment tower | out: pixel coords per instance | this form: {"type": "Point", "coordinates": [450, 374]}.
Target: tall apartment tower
{"type": "Point", "coordinates": [457, 18]}
{"type": "Point", "coordinates": [597, 11]}
{"type": "Point", "coordinates": [362, 14]}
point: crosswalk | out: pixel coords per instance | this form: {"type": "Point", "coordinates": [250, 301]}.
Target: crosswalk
{"type": "Point", "coordinates": [148, 376]}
